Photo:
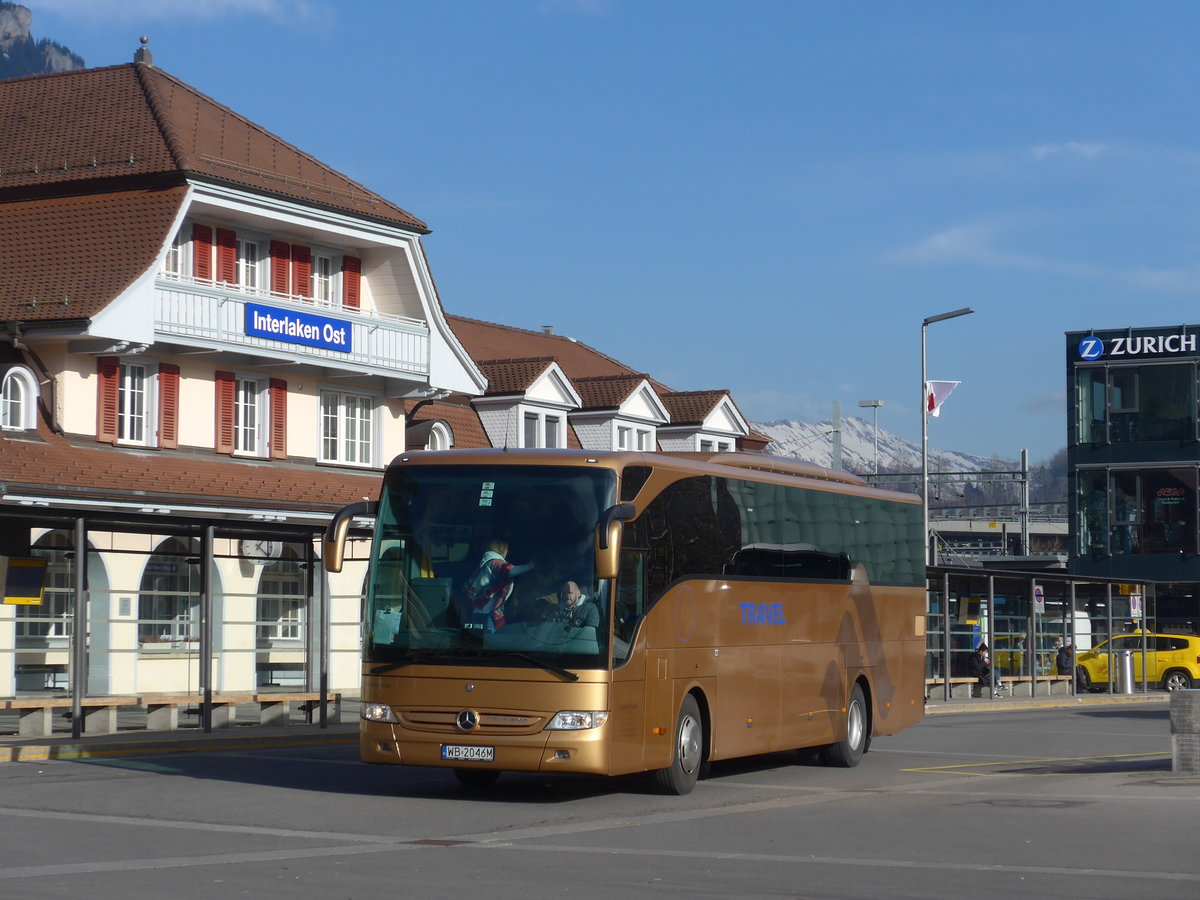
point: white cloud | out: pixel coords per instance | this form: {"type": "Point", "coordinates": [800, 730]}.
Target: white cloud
{"type": "Point", "coordinates": [980, 244]}
{"type": "Point", "coordinates": [1051, 403]}
{"type": "Point", "coordinates": [1069, 148]}
{"type": "Point", "coordinates": [585, 7]}
{"type": "Point", "coordinates": [176, 10]}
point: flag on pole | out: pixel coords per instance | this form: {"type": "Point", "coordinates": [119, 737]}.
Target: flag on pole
{"type": "Point", "coordinates": [936, 393]}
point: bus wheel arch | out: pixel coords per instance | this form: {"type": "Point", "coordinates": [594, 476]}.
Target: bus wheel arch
{"type": "Point", "coordinates": [689, 748]}
{"type": "Point", "coordinates": [848, 752]}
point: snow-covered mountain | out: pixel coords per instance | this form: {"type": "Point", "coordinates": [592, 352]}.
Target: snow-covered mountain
{"type": "Point", "coordinates": [814, 443]}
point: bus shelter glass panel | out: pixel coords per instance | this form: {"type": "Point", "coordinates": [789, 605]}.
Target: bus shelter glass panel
{"type": "Point", "coordinates": [281, 623]}
{"type": "Point", "coordinates": [1010, 627]}
{"type": "Point", "coordinates": [43, 631]}
{"type": "Point", "coordinates": [935, 644]}
{"type": "Point", "coordinates": [1054, 628]}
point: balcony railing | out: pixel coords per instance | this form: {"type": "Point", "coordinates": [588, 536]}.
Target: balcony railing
{"type": "Point", "coordinates": [214, 315]}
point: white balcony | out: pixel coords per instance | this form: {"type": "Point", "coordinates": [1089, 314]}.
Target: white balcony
{"type": "Point", "coordinates": [214, 315]}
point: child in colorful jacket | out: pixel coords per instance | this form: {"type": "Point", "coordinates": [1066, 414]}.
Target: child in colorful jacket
{"type": "Point", "coordinates": [492, 584]}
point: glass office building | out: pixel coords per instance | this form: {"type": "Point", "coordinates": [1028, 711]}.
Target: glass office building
{"type": "Point", "coordinates": [1133, 454]}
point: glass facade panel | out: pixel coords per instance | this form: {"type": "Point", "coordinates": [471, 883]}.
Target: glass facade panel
{"type": "Point", "coordinates": [1167, 409]}
{"type": "Point", "coordinates": [1126, 530]}
{"type": "Point", "coordinates": [1092, 404]}
{"type": "Point", "coordinates": [1092, 529]}
{"type": "Point", "coordinates": [1169, 507]}
{"type": "Point", "coordinates": [1125, 404]}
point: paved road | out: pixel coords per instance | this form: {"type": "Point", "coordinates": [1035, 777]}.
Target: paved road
{"type": "Point", "coordinates": [1028, 803]}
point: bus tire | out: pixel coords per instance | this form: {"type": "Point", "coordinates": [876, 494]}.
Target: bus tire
{"type": "Point", "coordinates": [687, 757]}
{"type": "Point", "coordinates": [847, 752]}
{"type": "Point", "coordinates": [477, 778]}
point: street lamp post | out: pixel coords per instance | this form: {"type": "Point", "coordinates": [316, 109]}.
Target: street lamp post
{"type": "Point", "coordinates": [874, 405]}
{"type": "Point", "coordinates": [941, 317]}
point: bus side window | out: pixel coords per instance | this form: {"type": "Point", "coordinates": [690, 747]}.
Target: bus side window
{"type": "Point", "coordinates": [630, 594]}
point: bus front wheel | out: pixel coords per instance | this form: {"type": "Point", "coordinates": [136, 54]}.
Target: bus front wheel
{"type": "Point", "coordinates": [680, 777]}
{"type": "Point", "coordinates": [847, 752]}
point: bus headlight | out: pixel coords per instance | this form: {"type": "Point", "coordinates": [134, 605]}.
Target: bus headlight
{"type": "Point", "coordinates": [573, 720]}
{"type": "Point", "coordinates": [377, 712]}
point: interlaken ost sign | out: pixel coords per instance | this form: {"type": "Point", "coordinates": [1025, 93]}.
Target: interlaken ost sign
{"type": "Point", "coordinates": [296, 327]}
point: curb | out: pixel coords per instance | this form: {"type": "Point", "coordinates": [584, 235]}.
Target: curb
{"type": "Point", "coordinates": [202, 743]}
{"type": "Point", "coordinates": [985, 706]}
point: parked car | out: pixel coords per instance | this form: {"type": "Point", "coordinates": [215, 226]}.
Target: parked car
{"type": "Point", "coordinates": [1172, 660]}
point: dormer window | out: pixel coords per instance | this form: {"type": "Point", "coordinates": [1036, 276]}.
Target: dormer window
{"type": "Point", "coordinates": [542, 430]}
{"type": "Point", "coordinates": [18, 400]}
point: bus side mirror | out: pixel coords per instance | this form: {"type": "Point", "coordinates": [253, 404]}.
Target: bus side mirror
{"type": "Point", "coordinates": [334, 543]}
{"type": "Point", "coordinates": [608, 539]}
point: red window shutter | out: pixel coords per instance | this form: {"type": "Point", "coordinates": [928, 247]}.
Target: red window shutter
{"type": "Point", "coordinates": [301, 271]}
{"type": "Point", "coordinates": [281, 255]}
{"type": "Point", "coordinates": [351, 281]}
{"type": "Point", "coordinates": [278, 401]}
{"type": "Point", "coordinates": [226, 256]}
{"type": "Point", "coordinates": [168, 406]}
{"type": "Point", "coordinates": [226, 389]}
{"type": "Point", "coordinates": [202, 252]}
{"type": "Point", "coordinates": [108, 368]}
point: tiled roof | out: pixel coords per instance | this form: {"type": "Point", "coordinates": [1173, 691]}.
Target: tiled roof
{"type": "Point", "coordinates": [692, 407]}
{"type": "Point", "coordinates": [607, 391]}
{"type": "Point", "coordinates": [513, 376]}
{"type": "Point", "coordinates": [485, 340]}
{"type": "Point", "coordinates": [463, 422]}
{"type": "Point", "coordinates": [83, 250]}
{"type": "Point", "coordinates": [124, 123]}
{"type": "Point", "coordinates": [56, 467]}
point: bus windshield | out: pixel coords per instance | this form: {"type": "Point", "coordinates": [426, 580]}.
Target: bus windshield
{"type": "Point", "coordinates": [495, 566]}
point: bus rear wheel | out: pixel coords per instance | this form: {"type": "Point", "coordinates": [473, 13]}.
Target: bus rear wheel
{"type": "Point", "coordinates": [681, 776]}
{"type": "Point", "coordinates": [847, 752]}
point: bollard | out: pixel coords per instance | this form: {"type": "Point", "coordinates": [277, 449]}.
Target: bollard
{"type": "Point", "coordinates": [1185, 732]}
{"type": "Point", "coordinates": [1123, 661]}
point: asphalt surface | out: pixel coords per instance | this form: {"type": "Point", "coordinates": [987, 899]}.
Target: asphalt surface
{"type": "Point", "coordinates": [62, 745]}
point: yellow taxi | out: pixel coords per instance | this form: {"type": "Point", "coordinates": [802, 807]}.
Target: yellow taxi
{"type": "Point", "coordinates": [1172, 660]}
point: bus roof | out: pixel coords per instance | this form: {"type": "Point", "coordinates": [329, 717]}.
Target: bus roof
{"type": "Point", "coordinates": [711, 462]}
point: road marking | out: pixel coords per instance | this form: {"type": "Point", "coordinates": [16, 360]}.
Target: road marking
{"type": "Point", "coordinates": [964, 768]}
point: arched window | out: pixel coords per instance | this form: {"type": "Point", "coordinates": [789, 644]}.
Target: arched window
{"type": "Point", "coordinates": [18, 399]}
{"type": "Point", "coordinates": [169, 600]}
{"type": "Point", "coordinates": [47, 625]}
{"type": "Point", "coordinates": [281, 595]}
{"type": "Point", "coordinates": [439, 437]}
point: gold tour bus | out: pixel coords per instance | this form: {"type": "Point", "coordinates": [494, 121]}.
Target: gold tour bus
{"type": "Point", "coordinates": [614, 613]}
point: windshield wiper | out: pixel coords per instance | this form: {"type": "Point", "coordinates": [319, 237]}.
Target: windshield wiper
{"type": "Point", "coordinates": [543, 664]}
{"type": "Point", "coordinates": [416, 655]}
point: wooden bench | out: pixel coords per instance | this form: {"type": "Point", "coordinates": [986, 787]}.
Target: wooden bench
{"type": "Point", "coordinates": [36, 713]}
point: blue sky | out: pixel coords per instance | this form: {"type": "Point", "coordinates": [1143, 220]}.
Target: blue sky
{"type": "Point", "coordinates": [762, 196]}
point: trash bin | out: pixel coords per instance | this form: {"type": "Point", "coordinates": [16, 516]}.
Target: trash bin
{"type": "Point", "coordinates": [1124, 671]}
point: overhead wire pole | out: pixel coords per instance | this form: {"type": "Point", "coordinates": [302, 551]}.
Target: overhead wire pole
{"type": "Point", "coordinates": [941, 317]}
